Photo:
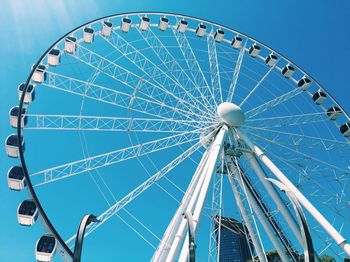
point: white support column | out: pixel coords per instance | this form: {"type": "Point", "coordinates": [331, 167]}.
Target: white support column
{"type": "Point", "coordinates": [275, 196]}
{"type": "Point", "coordinates": [338, 238]}
{"type": "Point", "coordinates": [257, 245]}
{"type": "Point", "coordinates": [163, 247]}
{"type": "Point", "coordinates": [211, 167]}
{"type": "Point", "coordinates": [263, 220]}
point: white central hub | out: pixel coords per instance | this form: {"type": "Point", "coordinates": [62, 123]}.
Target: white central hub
{"type": "Point", "coordinates": [231, 114]}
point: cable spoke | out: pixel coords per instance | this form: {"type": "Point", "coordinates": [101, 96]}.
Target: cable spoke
{"type": "Point", "coordinates": [106, 159]}
{"type": "Point", "coordinates": [272, 103]}
{"type": "Point", "coordinates": [138, 190]}
{"type": "Point", "coordinates": [214, 68]}
{"type": "Point", "coordinates": [153, 71]}
{"type": "Point", "coordinates": [258, 84]}
{"type": "Point", "coordinates": [174, 68]}
{"type": "Point", "coordinates": [193, 64]}
{"type": "Point", "coordinates": [233, 84]}
{"type": "Point", "coordinates": [102, 123]}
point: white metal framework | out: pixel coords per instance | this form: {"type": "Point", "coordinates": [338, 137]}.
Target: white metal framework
{"type": "Point", "coordinates": [120, 119]}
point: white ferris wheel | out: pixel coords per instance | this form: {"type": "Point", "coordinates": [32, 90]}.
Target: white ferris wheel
{"type": "Point", "coordinates": [162, 123]}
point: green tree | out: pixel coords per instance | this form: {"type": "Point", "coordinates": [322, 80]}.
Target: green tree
{"type": "Point", "coordinates": [327, 258]}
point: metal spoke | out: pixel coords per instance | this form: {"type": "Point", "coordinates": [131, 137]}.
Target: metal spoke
{"type": "Point", "coordinates": [296, 140]}
{"type": "Point", "coordinates": [233, 83]}
{"type": "Point", "coordinates": [154, 72]}
{"type": "Point", "coordinates": [285, 121]}
{"type": "Point", "coordinates": [304, 155]}
{"type": "Point", "coordinates": [214, 69]}
{"type": "Point", "coordinates": [111, 211]}
{"type": "Point", "coordinates": [99, 161]}
{"type": "Point", "coordinates": [136, 83]}
{"type": "Point", "coordinates": [101, 123]}
{"type": "Point", "coordinates": [272, 103]}
{"type": "Point", "coordinates": [107, 95]}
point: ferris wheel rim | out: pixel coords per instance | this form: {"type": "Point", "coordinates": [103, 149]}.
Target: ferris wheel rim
{"type": "Point", "coordinates": [27, 83]}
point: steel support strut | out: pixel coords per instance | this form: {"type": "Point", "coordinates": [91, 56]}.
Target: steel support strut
{"type": "Point", "coordinates": [192, 202]}
{"type": "Point", "coordinates": [338, 238]}
{"type": "Point", "coordinates": [78, 247]}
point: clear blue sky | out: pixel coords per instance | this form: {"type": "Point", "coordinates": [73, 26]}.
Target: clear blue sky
{"type": "Point", "coordinates": [313, 34]}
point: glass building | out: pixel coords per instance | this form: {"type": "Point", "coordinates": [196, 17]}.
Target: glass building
{"type": "Point", "coordinates": [233, 242]}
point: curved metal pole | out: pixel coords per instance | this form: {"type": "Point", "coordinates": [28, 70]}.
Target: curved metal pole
{"type": "Point", "coordinates": [309, 253]}
{"type": "Point", "coordinates": [87, 219]}
{"type": "Point", "coordinates": [191, 242]}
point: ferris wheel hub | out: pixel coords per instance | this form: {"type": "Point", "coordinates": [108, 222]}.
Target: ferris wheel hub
{"type": "Point", "coordinates": [231, 114]}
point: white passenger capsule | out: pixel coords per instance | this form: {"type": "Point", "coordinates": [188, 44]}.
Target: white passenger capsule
{"type": "Point", "coordinates": [12, 145]}
{"type": "Point", "coordinates": [88, 35]}
{"type": "Point", "coordinates": [304, 83]}
{"type": "Point", "coordinates": [126, 25]}
{"type": "Point", "coordinates": [107, 28]}
{"type": "Point", "coordinates": [45, 248]}
{"type": "Point", "coordinates": [236, 42]}
{"type": "Point", "coordinates": [29, 95]}
{"type": "Point", "coordinates": [27, 213]}
{"type": "Point", "coordinates": [254, 50]}
{"type": "Point", "coordinates": [319, 97]}
{"type": "Point", "coordinates": [144, 24]}
{"type": "Point", "coordinates": [15, 178]}
{"type": "Point", "coordinates": [54, 57]}
{"type": "Point", "coordinates": [334, 112]}
{"type": "Point", "coordinates": [182, 26]}
{"type": "Point", "coordinates": [288, 71]}
{"type": "Point", "coordinates": [201, 28]}
{"type": "Point", "coordinates": [345, 129]}
{"type": "Point", "coordinates": [163, 23]}
{"type": "Point", "coordinates": [271, 60]}
{"type": "Point", "coordinates": [219, 35]}
{"type": "Point", "coordinates": [13, 114]}
{"type": "Point", "coordinates": [70, 44]}
{"type": "Point", "coordinates": [39, 74]}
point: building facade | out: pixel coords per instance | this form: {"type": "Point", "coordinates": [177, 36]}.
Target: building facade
{"type": "Point", "coordinates": [234, 246]}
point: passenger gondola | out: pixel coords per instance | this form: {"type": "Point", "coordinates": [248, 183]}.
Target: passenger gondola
{"type": "Point", "coordinates": [201, 28]}
{"type": "Point", "coordinates": [219, 35]}
{"type": "Point", "coordinates": [13, 114]}
{"type": "Point", "coordinates": [144, 24]}
{"type": "Point", "coordinates": [236, 42]}
{"type": "Point", "coordinates": [12, 145]}
{"type": "Point", "coordinates": [125, 25]}
{"type": "Point", "coordinates": [88, 35]}
{"type": "Point", "coordinates": [107, 28]}
{"type": "Point", "coordinates": [304, 83]}
{"type": "Point", "coordinates": [288, 71]}
{"type": "Point", "coordinates": [319, 97]}
{"type": "Point", "coordinates": [163, 23]}
{"type": "Point", "coordinates": [254, 50]}
{"type": "Point", "coordinates": [27, 213]}
{"type": "Point", "coordinates": [271, 60]}
{"type": "Point", "coordinates": [182, 26]}
{"type": "Point", "coordinates": [45, 248]}
{"type": "Point", "coordinates": [15, 178]}
{"type": "Point", "coordinates": [334, 112]}
{"type": "Point", "coordinates": [54, 57]}
{"type": "Point", "coordinates": [70, 44]}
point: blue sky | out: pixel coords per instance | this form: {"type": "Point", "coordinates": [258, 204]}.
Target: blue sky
{"type": "Point", "coordinates": [313, 34]}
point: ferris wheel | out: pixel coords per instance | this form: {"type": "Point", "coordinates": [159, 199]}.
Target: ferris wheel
{"type": "Point", "coordinates": [164, 125]}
